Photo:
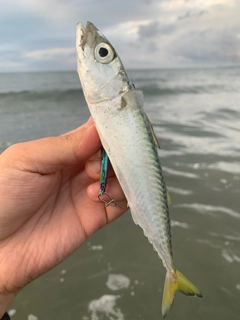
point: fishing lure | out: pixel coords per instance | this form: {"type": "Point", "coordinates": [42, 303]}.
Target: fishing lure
{"type": "Point", "coordinates": [103, 195]}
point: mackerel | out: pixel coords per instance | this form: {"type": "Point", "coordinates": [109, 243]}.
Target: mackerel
{"type": "Point", "coordinates": [131, 145]}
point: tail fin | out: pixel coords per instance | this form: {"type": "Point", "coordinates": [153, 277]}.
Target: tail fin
{"type": "Point", "coordinates": [175, 281]}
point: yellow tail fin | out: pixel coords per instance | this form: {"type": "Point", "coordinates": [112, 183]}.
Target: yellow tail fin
{"type": "Point", "coordinates": [175, 281]}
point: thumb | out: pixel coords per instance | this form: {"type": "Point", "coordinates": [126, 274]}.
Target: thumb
{"type": "Point", "coordinates": [48, 155]}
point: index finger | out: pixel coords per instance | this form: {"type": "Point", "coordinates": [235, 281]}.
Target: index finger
{"type": "Point", "coordinates": [48, 155]}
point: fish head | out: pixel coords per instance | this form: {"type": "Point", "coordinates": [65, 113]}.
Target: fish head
{"type": "Point", "coordinates": [99, 67]}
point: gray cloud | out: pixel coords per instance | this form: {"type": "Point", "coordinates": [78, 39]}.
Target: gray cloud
{"type": "Point", "coordinates": [40, 35]}
{"type": "Point", "coordinates": [155, 28]}
{"type": "Point", "coordinates": [112, 12]}
{"type": "Point", "coordinates": [190, 14]}
{"type": "Point", "coordinates": [209, 47]}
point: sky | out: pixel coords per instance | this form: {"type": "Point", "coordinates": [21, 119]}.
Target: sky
{"type": "Point", "coordinates": [39, 35]}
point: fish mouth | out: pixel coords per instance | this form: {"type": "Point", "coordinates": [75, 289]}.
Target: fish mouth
{"type": "Point", "coordinates": [84, 35]}
{"type": "Point", "coordinates": [80, 35]}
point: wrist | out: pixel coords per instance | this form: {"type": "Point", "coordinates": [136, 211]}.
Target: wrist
{"type": "Point", "coordinates": [5, 301]}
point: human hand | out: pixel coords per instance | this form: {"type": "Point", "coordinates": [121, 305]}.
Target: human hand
{"type": "Point", "coordinates": [49, 204]}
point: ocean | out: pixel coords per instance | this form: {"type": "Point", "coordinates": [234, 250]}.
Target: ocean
{"type": "Point", "coordinates": [116, 274]}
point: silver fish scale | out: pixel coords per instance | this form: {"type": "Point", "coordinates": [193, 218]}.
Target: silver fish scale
{"type": "Point", "coordinates": [162, 240]}
{"type": "Point", "coordinates": [132, 151]}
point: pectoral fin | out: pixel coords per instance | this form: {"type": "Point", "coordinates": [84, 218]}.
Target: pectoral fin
{"type": "Point", "coordinates": [134, 98]}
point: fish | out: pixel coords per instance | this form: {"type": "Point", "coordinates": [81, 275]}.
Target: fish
{"type": "Point", "coordinates": [127, 136]}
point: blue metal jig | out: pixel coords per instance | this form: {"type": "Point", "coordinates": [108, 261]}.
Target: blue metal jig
{"type": "Point", "coordinates": [103, 195]}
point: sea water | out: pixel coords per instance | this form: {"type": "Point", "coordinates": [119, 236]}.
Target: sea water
{"type": "Point", "coordinates": [116, 274]}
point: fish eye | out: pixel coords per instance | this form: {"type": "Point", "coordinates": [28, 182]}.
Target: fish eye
{"type": "Point", "coordinates": [104, 53]}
